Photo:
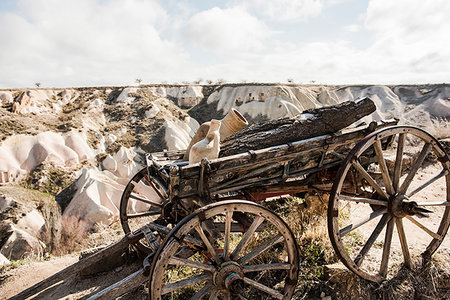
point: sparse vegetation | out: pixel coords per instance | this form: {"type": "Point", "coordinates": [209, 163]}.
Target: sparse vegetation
{"type": "Point", "coordinates": [48, 178]}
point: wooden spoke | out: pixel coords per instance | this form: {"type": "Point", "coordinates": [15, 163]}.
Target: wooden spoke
{"type": "Point", "coordinates": [421, 226]}
{"type": "Point", "coordinates": [369, 179]}
{"type": "Point", "coordinates": [190, 263]}
{"type": "Point", "coordinates": [264, 267]}
{"type": "Point", "coordinates": [144, 214]}
{"type": "Point", "coordinates": [441, 203]}
{"type": "Point", "coordinates": [145, 200]}
{"type": "Point", "coordinates": [398, 161]}
{"type": "Point", "coordinates": [424, 185]}
{"type": "Point", "coordinates": [372, 216]}
{"type": "Point", "coordinates": [247, 235]}
{"type": "Point", "coordinates": [156, 188]}
{"type": "Point", "coordinates": [226, 247]}
{"type": "Point", "coordinates": [207, 243]}
{"type": "Point", "coordinates": [360, 257]}
{"type": "Point", "coordinates": [199, 295]}
{"type": "Point", "coordinates": [425, 150]}
{"type": "Point", "coordinates": [262, 287]}
{"type": "Point", "coordinates": [386, 248]}
{"type": "Point", "coordinates": [363, 200]}
{"type": "Point", "coordinates": [403, 242]}
{"type": "Point", "coordinates": [168, 288]}
{"type": "Point", "coordinates": [268, 244]}
{"type": "Point", "coordinates": [383, 167]}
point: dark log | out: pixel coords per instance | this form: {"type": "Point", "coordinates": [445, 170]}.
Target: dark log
{"type": "Point", "coordinates": [321, 121]}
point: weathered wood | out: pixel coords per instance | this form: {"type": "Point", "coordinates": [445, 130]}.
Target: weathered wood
{"type": "Point", "coordinates": [371, 240]}
{"type": "Point", "coordinates": [363, 221]}
{"type": "Point", "coordinates": [71, 270]}
{"type": "Point", "coordinates": [403, 242]}
{"type": "Point", "coordinates": [265, 267]}
{"type": "Point", "coordinates": [386, 248]}
{"type": "Point", "coordinates": [289, 161]}
{"type": "Point", "coordinates": [318, 122]}
{"type": "Point", "coordinates": [284, 151]}
{"type": "Point", "coordinates": [384, 170]}
{"type": "Point", "coordinates": [122, 287]}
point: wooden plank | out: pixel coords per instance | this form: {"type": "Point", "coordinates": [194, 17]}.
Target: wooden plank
{"type": "Point", "coordinates": [122, 287]}
{"type": "Point", "coordinates": [275, 153]}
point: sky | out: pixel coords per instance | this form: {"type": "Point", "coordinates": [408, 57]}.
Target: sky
{"type": "Point", "coordinates": [73, 43]}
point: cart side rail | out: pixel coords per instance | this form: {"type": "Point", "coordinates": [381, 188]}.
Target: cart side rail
{"type": "Point", "coordinates": [274, 163]}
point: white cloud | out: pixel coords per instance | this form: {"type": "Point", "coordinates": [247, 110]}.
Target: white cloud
{"type": "Point", "coordinates": [113, 42]}
{"type": "Point", "coordinates": [229, 29]}
{"type": "Point", "coordinates": [411, 36]}
{"type": "Point", "coordinates": [284, 10]}
{"type": "Point", "coordinates": [84, 43]}
{"type": "Point", "coordinates": [352, 28]}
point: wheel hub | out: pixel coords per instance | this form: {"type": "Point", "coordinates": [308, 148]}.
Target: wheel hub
{"type": "Point", "coordinates": [400, 206]}
{"type": "Point", "coordinates": [229, 275]}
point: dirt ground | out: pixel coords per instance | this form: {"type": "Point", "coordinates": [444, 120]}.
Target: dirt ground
{"type": "Point", "coordinates": [18, 279]}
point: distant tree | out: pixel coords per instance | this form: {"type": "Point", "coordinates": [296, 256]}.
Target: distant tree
{"type": "Point", "coordinates": [37, 84]}
{"type": "Point", "coordinates": [313, 81]}
{"type": "Point", "coordinates": [138, 81]}
{"type": "Point", "coordinates": [185, 82]}
{"type": "Point", "coordinates": [209, 81]}
{"type": "Point", "coordinates": [198, 81]}
{"type": "Point", "coordinates": [220, 81]}
{"type": "Point", "coordinates": [290, 80]}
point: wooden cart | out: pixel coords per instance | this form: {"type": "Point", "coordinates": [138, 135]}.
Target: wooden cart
{"type": "Point", "coordinates": [210, 234]}
{"type": "Point", "coordinates": [207, 230]}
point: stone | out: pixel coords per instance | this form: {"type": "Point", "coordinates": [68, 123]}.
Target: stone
{"type": "Point", "coordinates": [152, 112]}
{"type": "Point", "coordinates": [32, 222]}
{"type": "Point", "coordinates": [4, 261]}
{"type": "Point", "coordinates": [6, 97]}
{"type": "Point", "coordinates": [124, 98]}
{"type": "Point", "coordinates": [109, 163]}
{"type": "Point", "coordinates": [20, 244]}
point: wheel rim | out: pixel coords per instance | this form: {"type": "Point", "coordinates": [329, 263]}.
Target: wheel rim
{"type": "Point", "coordinates": [205, 257]}
{"type": "Point", "coordinates": [391, 214]}
{"type": "Point", "coordinates": [141, 203]}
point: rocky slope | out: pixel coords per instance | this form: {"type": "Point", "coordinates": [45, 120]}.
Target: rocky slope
{"type": "Point", "coordinates": [84, 144]}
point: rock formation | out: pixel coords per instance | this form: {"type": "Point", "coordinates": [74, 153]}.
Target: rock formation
{"type": "Point", "coordinates": [98, 136]}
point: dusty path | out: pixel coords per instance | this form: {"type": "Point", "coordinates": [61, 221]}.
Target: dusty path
{"type": "Point", "coordinates": [74, 287]}
{"type": "Point", "coordinates": [18, 279]}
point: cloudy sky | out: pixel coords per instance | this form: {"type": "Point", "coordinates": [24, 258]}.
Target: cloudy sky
{"type": "Point", "coordinates": [63, 43]}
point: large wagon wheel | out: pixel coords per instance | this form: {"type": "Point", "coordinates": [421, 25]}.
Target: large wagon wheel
{"type": "Point", "coordinates": [209, 254]}
{"type": "Point", "coordinates": [400, 187]}
{"type": "Point", "coordinates": [141, 203]}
